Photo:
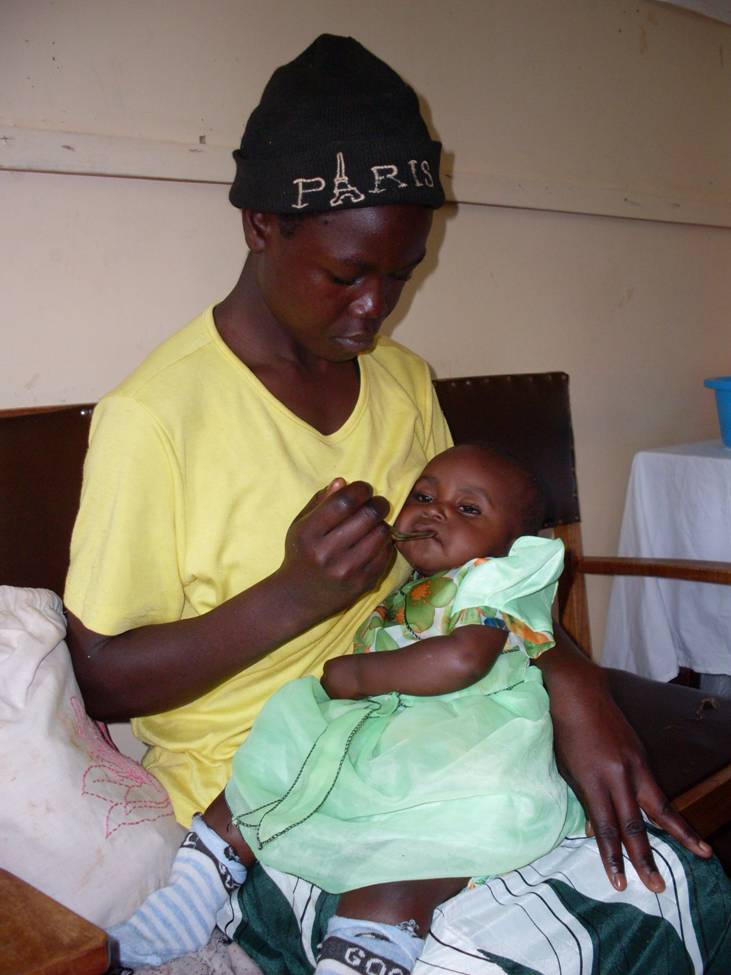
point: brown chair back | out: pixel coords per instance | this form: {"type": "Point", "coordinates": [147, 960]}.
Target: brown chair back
{"type": "Point", "coordinates": [528, 415]}
{"type": "Point", "coordinates": [41, 459]}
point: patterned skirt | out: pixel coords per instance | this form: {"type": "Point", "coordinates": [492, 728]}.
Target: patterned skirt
{"type": "Point", "coordinates": [557, 916]}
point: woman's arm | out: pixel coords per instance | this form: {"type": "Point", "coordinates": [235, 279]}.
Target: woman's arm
{"type": "Point", "coordinates": [601, 756]}
{"type": "Point", "coordinates": [433, 666]}
{"type": "Point", "coordinates": [336, 549]}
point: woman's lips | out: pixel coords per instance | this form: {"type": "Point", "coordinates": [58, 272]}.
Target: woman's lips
{"type": "Point", "coordinates": [359, 342]}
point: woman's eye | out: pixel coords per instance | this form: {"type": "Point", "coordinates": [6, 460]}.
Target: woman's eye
{"type": "Point", "coordinates": [346, 282]}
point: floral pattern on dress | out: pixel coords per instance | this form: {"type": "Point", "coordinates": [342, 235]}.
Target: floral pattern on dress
{"type": "Point", "coordinates": [422, 607]}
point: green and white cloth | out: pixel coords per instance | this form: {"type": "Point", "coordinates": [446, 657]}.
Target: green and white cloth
{"type": "Point", "coordinates": [557, 916]}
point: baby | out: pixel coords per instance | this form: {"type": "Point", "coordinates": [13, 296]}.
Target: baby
{"type": "Point", "coordinates": [429, 764]}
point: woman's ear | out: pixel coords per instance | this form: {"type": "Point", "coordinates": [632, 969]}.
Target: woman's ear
{"type": "Point", "coordinates": [258, 229]}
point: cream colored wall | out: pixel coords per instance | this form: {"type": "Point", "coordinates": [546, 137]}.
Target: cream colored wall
{"type": "Point", "coordinates": [97, 270]}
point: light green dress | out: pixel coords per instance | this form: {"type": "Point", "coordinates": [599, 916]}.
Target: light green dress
{"type": "Point", "coordinates": [351, 793]}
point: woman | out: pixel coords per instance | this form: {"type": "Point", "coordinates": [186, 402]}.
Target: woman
{"type": "Point", "coordinates": [209, 563]}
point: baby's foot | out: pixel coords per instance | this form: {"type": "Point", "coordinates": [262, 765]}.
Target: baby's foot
{"type": "Point", "coordinates": [352, 945]}
{"type": "Point", "coordinates": [180, 918]}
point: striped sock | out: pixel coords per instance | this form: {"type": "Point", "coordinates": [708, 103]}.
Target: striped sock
{"type": "Point", "coordinates": [180, 918]}
{"type": "Point", "coordinates": [352, 945]}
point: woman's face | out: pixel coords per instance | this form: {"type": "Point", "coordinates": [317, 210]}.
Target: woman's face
{"type": "Point", "coordinates": [469, 499]}
{"type": "Point", "coordinates": [330, 285]}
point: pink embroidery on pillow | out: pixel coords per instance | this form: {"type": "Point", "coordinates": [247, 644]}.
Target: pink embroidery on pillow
{"type": "Point", "coordinates": [132, 795]}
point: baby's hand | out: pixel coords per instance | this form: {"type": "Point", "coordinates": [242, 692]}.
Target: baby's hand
{"type": "Point", "coordinates": [341, 678]}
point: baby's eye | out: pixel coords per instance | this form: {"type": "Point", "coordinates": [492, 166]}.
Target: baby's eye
{"type": "Point", "coordinates": [423, 498]}
{"type": "Point", "coordinates": [469, 509]}
{"type": "Point", "coordinates": [345, 282]}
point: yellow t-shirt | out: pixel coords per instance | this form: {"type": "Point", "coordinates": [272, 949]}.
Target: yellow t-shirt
{"type": "Point", "coordinates": [193, 475]}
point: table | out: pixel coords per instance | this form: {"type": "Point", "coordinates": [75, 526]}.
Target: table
{"type": "Point", "coordinates": [678, 505]}
{"type": "Point", "coordinates": [38, 936]}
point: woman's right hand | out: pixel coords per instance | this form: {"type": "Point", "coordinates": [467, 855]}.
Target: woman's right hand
{"type": "Point", "coordinates": [337, 548]}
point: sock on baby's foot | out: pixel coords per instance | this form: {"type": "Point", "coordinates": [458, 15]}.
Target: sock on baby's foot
{"type": "Point", "coordinates": [352, 945]}
{"type": "Point", "coordinates": [180, 918]}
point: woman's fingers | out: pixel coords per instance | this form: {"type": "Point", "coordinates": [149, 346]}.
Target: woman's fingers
{"type": "Point", "coordinates": [342, 511]}
{"type": "Point", "coordinates": [355, 494]}
{"type": "Point", "coordinates": [620, 825]}
{"type": "Point", "coordinates": [617, 822]}
{"type": "Point", "coordinates": [603, 824]}
{"type": "Point", "coordinates": [348, 529]}
{"type": "Point", "coordinates": [338, 546]}
{"type": "Point", "coordinates": [657, 807]}
{"type": "Point", "coordinates": [357, 510]}
{"type": "Point", "coordinates": [610, 797]}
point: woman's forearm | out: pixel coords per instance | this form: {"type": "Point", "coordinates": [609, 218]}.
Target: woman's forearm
{"type": "Point", "coordinates": [337, 548]}
{"type": "Point", "coordinates": [159, 667]}
{"type": "Point", "coordinates": [436, 665]}
{"type": "Point", "coordinates": [565, 665]}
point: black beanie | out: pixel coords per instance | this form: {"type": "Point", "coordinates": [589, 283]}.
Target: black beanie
{"type": "Point", "coordinates": [336, 128]}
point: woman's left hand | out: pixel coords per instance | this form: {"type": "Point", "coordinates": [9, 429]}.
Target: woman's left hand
{"type": "Point", "coordinates": [602, 758]}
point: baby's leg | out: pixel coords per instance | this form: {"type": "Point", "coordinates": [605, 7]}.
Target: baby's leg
{"type": "Point", "coordinates": [382, 928]}
{"type": "Point", "coordinates": [180, 918]}
{"type": "Point", "coordinates": [218, 817]}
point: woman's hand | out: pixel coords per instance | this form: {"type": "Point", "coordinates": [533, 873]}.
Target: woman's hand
{"type": "Point", "coordinates": [601, 757]}
{"type": "Point", "coordinates": [337, 548]}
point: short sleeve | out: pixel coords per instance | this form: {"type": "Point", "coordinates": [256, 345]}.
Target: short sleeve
{"type": "Point", "coordinates": [515, 592]}
{"type": "Point", "coordinates": [124, 570]}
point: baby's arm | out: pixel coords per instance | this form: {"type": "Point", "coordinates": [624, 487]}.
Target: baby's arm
{"type": "Point", "coordinates": [433, 666]}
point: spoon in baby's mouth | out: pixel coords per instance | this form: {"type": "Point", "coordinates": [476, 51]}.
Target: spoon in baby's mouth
{"type": "Point", "coordinates": [399, 536]}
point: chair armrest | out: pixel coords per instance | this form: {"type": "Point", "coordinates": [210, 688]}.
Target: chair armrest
{"type": "Point", "coordinates": [706, 806]}
{"type": "Point", "coordinates": [691, 570]}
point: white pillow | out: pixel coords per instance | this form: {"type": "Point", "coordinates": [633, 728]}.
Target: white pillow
{"type": "Point", "coordinates": [79, 820]}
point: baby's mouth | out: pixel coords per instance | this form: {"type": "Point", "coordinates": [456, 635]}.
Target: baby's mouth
{"type": "Point", "coordinates": [399, 536]}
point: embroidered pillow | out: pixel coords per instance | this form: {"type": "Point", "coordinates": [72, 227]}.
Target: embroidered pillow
{"type": "Point", "coordinates": [79, 820]}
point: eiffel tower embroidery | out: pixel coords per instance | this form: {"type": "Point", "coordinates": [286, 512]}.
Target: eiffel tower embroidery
{"type": "Point", "coordinates": [342, 187]}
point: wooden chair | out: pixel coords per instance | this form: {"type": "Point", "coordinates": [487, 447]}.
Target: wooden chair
{"type": "Point", "coordinates": [688, 741]}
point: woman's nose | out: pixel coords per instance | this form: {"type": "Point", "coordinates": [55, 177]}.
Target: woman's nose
{"type": "Point", "coordinates": [374, 301]}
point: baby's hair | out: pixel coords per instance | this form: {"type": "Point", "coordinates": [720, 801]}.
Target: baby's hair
{"type": "Point", "coordinates": [532, 502]}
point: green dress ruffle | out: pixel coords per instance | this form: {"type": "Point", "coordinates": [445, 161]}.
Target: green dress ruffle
{"type": "Point", "coordinates": [397, 787]}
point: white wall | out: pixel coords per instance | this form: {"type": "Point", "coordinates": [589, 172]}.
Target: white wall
{"type": "Point", "coordinates": [96, 270]}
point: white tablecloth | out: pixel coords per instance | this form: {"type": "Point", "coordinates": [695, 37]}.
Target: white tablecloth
{"type": "Point", "coordinates": [678, 505]}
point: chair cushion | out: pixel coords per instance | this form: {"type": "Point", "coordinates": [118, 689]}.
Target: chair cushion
{"type": "Point", "coordinates": [79, 820]}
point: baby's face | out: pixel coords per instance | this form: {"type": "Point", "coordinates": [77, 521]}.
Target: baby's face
{"type": "Point", "coordinates": [466, 497]}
